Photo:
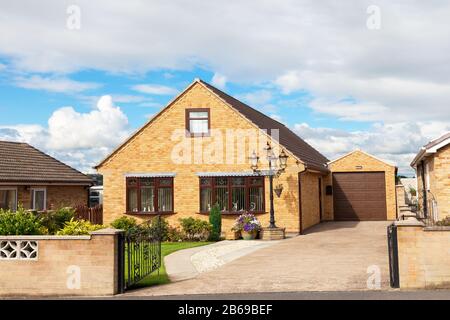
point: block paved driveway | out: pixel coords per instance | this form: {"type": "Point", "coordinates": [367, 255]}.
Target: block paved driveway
{"type": "Point", "coordinates": [332, 256]}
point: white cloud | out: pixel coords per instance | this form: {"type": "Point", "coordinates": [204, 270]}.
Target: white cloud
{"type": "Point", "coordinates": [78, 139]}
{"type": "Point", "coordinates": [289, 82]}
{"type": "Point", "coordinates": [54, 84]}
{"type": "Point", "coordinates": [219, 80]}
{"type": "Point", "coordinates": [256, 98]}
{"type": "Point", "coordinates": [397, 142]}
{"type": "Point", "coordinates": [155, 89]}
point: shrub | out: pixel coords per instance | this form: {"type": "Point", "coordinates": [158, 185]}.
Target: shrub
{"type": "Point", "coordinates": [195, 229]}
{"type": "Point", "coordinates": [444, 222]}
{"type": "Point", "coordinates": [174, 235]}
{"type": "Point", "coordinates": [158, 226]}
{"type": "Point", "coordinates": [215, 219]}
{"type": "Point", "coordinates": [78, 227]}
{"type": "Point", "coordinates": [20, 222]}
{"type": "Point", "coordinates": [55, 220]}
{"type": "Point", "coordinates": [124, 223]}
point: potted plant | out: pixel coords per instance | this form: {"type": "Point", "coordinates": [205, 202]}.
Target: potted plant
{"type": "Point", "coordinates": [248, 226]}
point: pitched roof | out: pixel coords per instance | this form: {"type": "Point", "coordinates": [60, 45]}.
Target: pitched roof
{"type": "Point", "coordinates": [291, 141]}
{"type": "Point", "coordinates": [20, 162]}
{"type": "Point", "coordinates": [431, 147]}
{"type": "Point", "coordinates": [390, 163]}
{"type": "Point", "coordinates": [311, 157]}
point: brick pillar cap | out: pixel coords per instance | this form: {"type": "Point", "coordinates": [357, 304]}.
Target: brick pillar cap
{"type": "Point", "coordinates": [106, 231]}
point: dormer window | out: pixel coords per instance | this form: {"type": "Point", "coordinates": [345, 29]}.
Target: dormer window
{"type": "Point", "coordinates": [198, 122]}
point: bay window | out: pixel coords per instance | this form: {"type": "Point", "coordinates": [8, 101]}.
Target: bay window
{"type": "Point", "coordinates": [149, 195]}
{"type": "Point", "coordinates": [8, 199]}
{"type": "Point", "coordinates": [232, 194]}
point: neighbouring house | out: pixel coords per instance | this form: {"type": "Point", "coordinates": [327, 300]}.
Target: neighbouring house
{"type": "Point", "coordinates": [35, 180]}
{"type": "Point", "coordinates": [432, 165]}
{"type": "Point", "coordinates": [195, 153]}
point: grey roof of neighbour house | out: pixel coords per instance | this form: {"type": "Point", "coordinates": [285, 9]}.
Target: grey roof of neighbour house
{"type": "Point", "coordinates": [312, 158]}
{"type": "Point", "coordinates": [291, 141]}
{"type": "Point", "coordinates": [22, 163]}
{"type": "Point", "coordinates": [430, 145]}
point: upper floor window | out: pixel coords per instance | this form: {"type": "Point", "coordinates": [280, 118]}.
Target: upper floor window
{"type": "Point", "coordinates": [198, 122]}
{"type": "Point", "coordinates": [149, 195]}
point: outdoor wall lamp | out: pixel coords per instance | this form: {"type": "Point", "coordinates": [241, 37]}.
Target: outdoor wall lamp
{"type": "Point", "coordinates": [278, 190]}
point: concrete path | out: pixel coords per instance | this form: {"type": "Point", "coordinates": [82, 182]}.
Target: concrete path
{"type": "Point", "coordinates": [187, 264]}
{"type": "Point", "coordinates": [332, 256]}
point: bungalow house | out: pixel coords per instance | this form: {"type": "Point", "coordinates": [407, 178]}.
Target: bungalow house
{"type": "Point", "coordinates": [432, 165]}
{"type": "Point", "coordinates": [195, 152]}
{"type": "Point", "coordinates": [34, 180]}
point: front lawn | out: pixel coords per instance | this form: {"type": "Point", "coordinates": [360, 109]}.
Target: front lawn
{"type": "Point", "coordinates": [166, 248]}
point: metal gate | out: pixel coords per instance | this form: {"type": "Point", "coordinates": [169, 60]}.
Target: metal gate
{"type": "Point", "coordinates": [393, 255]}
{"type": "Point", "coordinates": [139, 253]}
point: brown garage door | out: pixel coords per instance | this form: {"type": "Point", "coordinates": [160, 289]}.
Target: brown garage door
{"type": "Point", "coordinates": [359, 196]}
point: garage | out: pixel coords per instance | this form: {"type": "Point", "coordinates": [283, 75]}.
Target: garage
{"type": "Point", "coordinates": [362, 188]}
{"type": "Point", "coordinates": [359, 196]}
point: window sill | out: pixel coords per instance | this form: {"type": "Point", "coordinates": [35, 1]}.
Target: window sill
{"type": "Point", "coordinates": [198, 135]}
{"type": "Point", "coordinates": [234, 213]}
{"type": "Point", "coordinates": [148, 213]}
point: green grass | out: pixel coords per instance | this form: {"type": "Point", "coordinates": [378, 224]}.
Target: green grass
{"type": "Point", "coordinates": [166, 248]}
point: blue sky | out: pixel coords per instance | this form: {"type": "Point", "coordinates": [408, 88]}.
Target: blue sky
{"type": "Point", "coordinates": [342, 75]}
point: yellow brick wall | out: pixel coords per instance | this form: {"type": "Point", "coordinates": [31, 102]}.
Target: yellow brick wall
{"type": "Point", "coordinates": [424, 258]}
{"type": "Point", "coordinates": [349, 163]}
{"type": "Point", "coordinates": [57, 196]}
{"type": "Point", "coordinates": [150, 151]}
{"type": "Point", "coordinates": [47, 276]}
{"type": "Point", "coordinates": [310, 197]}
{"type": "Point", "coordinates": [439, 177]}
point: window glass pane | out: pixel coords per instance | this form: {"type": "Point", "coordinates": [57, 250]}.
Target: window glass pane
{"type": "Point", "coordinates": [221, 182]}
{"type": "Point", "coordinates": [205, 199]}
{"type": "Point", "coordinates": [147, 181]}
{"type": "Point", "coordinates": [205, 181]}
{"type": "Point", "coordinates": [147, 204]}
{"type": "Point", "coordinates": [238, 199]}
{"type": "Point", "coordinates": [132, 200]}
{"type": "Point", "coordinates": [165, 182]}
{"type": "Point", "coordinates": [132, 182]}
{"type": "Point", "coordinates": [165, 199]}
{"type": "Point", "coordinates": [222, 198]}
{"type": "Point", "coordinates": [256, 181]}
{"type": "Point", "coordinates": [198, 126]}
{"type": "Point", "coordinates": [256, 199]}
{"type": "Point", "coordinates": [8, 199]}
{"type": "Point", "coordinates": [39, 200]}
{"type": "Point", "coordinates": [198, 114]}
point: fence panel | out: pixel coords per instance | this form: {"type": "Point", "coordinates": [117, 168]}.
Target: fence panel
{"type": "Point", "coordinates": [93, 215]}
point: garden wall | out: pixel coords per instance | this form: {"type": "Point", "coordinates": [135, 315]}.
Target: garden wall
{"type": "Point", "coordinates": [424, 256]}
{"type": "Point", "coordinates": [59, 265]}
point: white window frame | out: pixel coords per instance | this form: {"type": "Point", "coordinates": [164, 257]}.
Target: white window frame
{"type": "Point", "coordinates": [427, 176]}
{"type": "Point", "coordinates": [17, 195]}
{"type": "Point", "coordinates": [33, 198]}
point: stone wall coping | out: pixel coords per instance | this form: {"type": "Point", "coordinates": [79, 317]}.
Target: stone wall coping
{"type": "Point", "coordinates": [437, 228]}
{"type": "Point", "coordinates": [107, 231]}
{"type": "Point", "coordinates": [45, 237]}
{"type": "Point", "coordinates": [410, 222]}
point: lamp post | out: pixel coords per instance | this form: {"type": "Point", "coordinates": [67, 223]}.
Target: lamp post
{"type": "Point", "coordinates": [274, 170]}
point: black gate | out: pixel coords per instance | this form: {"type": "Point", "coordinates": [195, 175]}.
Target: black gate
{"type": "Point", "coordinates": [393, 256]}
{"type": "Point", "coordinates": [139, 253]}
